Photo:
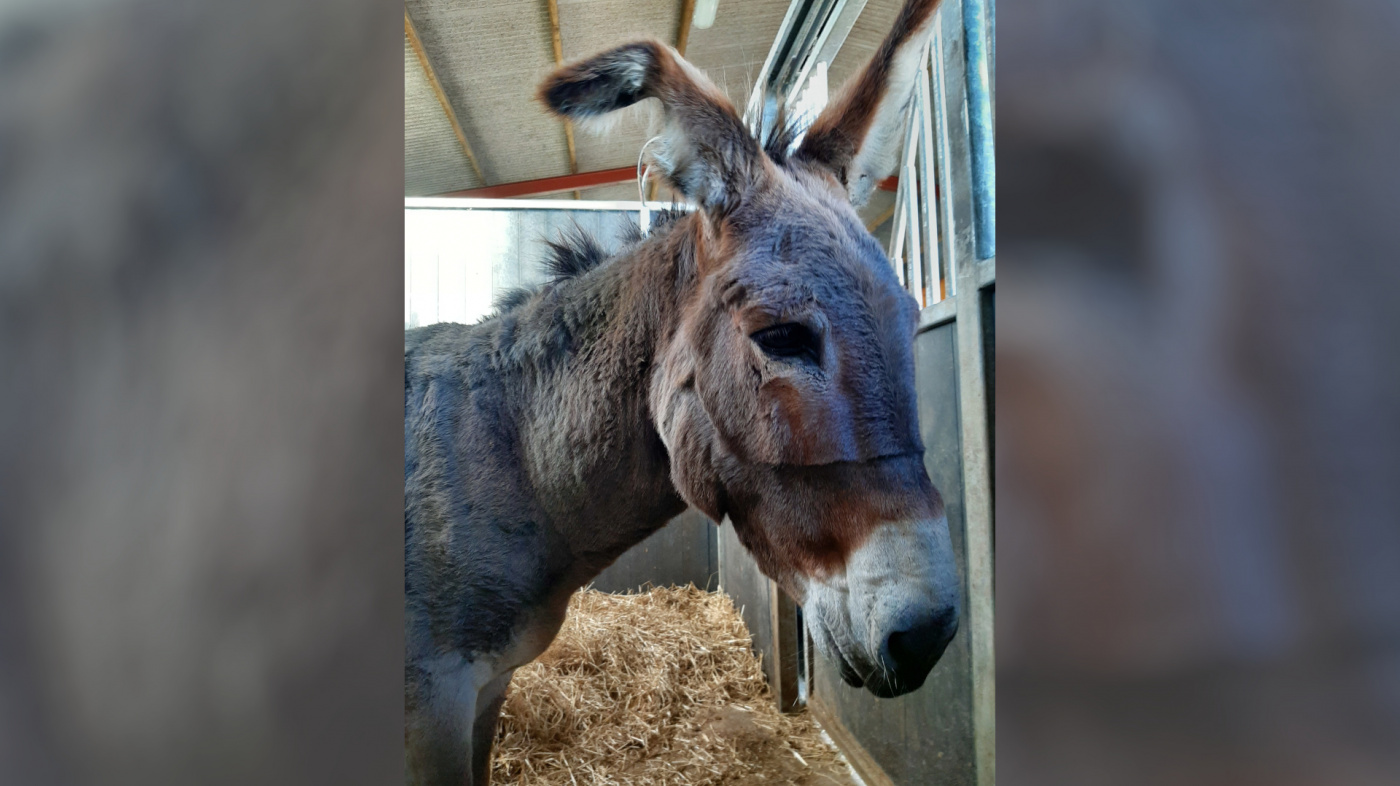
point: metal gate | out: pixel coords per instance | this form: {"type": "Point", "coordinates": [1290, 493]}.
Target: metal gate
{"type": "Point", "coordinates": [942, 244]}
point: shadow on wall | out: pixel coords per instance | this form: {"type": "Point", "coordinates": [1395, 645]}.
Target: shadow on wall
{"type": "Point", "coordinates": [1197, 548]}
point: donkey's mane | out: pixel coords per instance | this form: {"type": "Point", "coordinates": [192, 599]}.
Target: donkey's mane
{"type": "Point", "coordinates": [780, 138]}
{"type": "Point", "coordinates": [575, 251]}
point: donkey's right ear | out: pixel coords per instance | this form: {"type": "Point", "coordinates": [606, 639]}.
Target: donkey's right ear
{"type": "Point", "coordinates": [704, 152]}
{"type": "Point", "coordinates": [856, 137]}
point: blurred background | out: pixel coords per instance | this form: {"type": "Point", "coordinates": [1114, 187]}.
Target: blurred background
{"type": "Point", "coordinates": [1198, 448]}
{"type": "Point", "coordinates": [201, 255]}
{"type": "Point", "coordinates": [201, 227]}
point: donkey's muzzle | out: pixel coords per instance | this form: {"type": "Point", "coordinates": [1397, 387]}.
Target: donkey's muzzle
{"type": "Point", "coordinates": [886, 620]}
{"type": "Point", "coordinates": [911, 650]}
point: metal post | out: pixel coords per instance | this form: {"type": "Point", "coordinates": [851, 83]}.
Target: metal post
{"type": "Point", "coordinates": [960, 199]}
{"type": "Point", "coordinates": [979, 116]}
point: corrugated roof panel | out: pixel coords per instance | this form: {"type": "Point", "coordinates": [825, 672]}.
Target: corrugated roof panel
{"type": "Point", "coordinates": [591, 26]}
{"type": "Point", "coordinates": [489, 56]}
{"type": "Point", "coordinates": [732, 51]}
{"type": "Point", "coordinates": [433, 158]}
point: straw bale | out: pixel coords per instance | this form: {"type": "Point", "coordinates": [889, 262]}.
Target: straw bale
{"type": "Point", "coordinates": [659, 687]}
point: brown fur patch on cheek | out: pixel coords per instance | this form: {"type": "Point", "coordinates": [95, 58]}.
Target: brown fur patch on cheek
{"type": "Point", "coordinates": [798, 436]}
{"type": "Point", "coordinates": [813, 526]}
{"type": "Point", "coordinates": [809, 427]}
{"type": "Point", "coordinates": [728, 381]}
{"type": "Point", "coordinates": [692, 441]}
{"type": "Point", "coordinates": [709, 256]}
{"type": "Point", "coordinates": [846, 523]}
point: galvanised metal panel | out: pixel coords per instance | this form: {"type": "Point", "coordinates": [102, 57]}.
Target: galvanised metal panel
{"type": "Point", "coordinates": [946, 731]}
{"type": "Point", "coordinates": [685, 551]}
{"type": "Point", "coordinates": [927, 736]}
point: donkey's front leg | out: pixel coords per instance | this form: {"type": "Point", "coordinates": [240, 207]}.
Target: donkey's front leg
{"type": "Point", "coordinates": [488, 711]}
{"type": "Point", "coordinates": [439, 747]}
{"type": "Point", "coordinates": [446, 698]}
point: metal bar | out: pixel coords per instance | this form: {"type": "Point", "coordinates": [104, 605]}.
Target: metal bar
{"type": "Point", "coordinates": [992, 56]}
{"type": "Point", "coordinates": [897, 234]}
{"type": "Point", "coordinates": [945, 161]}
{"type": "Point", "coordinates": [911, 198]}
{"type": "Point", "coordinates": [940, 313]}
{"type": "Point", "coordinates": [979, 115]}
{"type": "Point", "coordinates": [920, 203]}
{"type": "Point", "coordinates": [468, 203]}
{"type": "Point", "coordinates": [828, 23]}
{"type": "Point", "coordinates": [417, 44]}
{"type": "Point", "coordinates": [928, 190]}
{"type": "Point", "coordinates": [972, 397]}
{"type": "Point", "coordinates": [797, 50]}
{"type": "Point", "coordinates": [986, 272]}
{"type": "Point", "coordinates": [753, 111]}
{"type": "Point", "coordinates": [841, 26]}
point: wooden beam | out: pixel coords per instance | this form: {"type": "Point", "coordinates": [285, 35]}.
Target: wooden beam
{"type": "Point", "coordinates": [783, 615]}
{"type": "Point", "coordinates": [558, 40]}
{"type": "Point", "coordinates": [413, 40]}
{"type": "Point", "coordinates": [856, 755]}
{"type": "Point", "coordinates": [683, 35]}
{"type": "Point", "coordinates": [549, 185]}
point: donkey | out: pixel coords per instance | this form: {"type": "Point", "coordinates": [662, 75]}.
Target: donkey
{"type": "Point", "coordinates": [753, 359]}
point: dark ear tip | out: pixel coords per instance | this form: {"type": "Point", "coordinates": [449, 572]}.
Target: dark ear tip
{"type": "Point", "coordinates": [549, 94]}
{"type": "Point", "coordinates": [607, 81]}
{"type": "Point", "coordinates": [553, 91]}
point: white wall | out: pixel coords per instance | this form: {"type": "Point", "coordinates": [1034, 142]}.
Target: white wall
{"type": "Point", "coordinates": [457, 260]}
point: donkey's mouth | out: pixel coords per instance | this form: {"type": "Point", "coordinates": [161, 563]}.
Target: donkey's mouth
{"type": "Point", "coordinates": [848, 673]}
{"type": "Point", "coordinates": [883, 685]}
{"type": "Point", "coordinates": [826, 642]}
{"type": "Point", "coordinates": [879, 683]}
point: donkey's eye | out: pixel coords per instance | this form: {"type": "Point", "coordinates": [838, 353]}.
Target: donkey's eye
{"type": "Point", "coordinates": [789, 340]}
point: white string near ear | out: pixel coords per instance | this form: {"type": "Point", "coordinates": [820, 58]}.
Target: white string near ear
{"type": "Point", "coordinates": [644, 215]}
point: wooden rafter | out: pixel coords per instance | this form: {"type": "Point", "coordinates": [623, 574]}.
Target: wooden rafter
{"type": "Point", "coordinates": [557, 38]}
{"type": "Point", "coordinates": [417, 44]}
{"type": "Point", "coordinates": [683, 35]}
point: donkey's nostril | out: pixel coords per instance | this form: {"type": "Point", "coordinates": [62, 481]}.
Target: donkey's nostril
{"type": "Point", "coordinates": [913, 648]}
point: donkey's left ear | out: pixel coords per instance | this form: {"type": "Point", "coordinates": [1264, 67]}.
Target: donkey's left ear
{"type": "Point", "coordinates": [705, 151]}
{"type": "Point", "coordinates": [857, 136]}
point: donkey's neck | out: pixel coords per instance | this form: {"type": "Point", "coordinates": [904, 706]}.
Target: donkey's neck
{"type": "Point", "coordinates": [591, 451]}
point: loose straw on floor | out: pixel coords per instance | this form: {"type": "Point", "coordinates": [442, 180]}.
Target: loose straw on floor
{"type": "Point", "coordinates": [655, 688]}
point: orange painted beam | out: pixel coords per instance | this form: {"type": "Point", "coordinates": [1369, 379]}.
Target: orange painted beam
{"type": "Point", "coordinates": [550, 185]}
{"type": "Point", "coordinates": [602, 177]}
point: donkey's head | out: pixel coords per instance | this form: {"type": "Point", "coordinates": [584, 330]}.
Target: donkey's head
{"type": "Point", "coordinates": [785, 395]}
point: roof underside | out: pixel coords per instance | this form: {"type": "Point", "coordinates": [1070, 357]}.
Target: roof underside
{"type": "Point", "coordinates": [488, 56]}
